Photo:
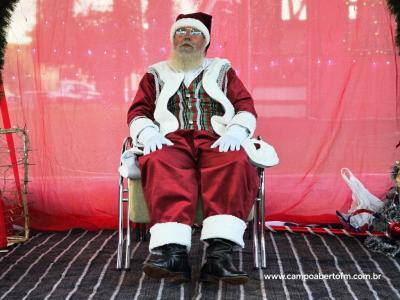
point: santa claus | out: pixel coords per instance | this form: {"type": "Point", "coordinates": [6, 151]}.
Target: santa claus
{"type": "Point", "coordinates": [191, 115]}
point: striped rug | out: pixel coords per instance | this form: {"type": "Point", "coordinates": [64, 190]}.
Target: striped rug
{"type": "Point", "coordinates": [81, 265]}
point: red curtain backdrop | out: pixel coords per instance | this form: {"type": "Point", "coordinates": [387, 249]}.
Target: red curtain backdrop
{"type": "Point", "coordinates": [324, 76]}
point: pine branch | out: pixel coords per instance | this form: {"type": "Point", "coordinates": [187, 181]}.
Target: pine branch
{"type": "Point", "coordinates": [6, 9]}
{"type": "Point", "coordinates": [394, 6]}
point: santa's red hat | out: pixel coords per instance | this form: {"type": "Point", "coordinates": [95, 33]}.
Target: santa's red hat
{"type": "Point", "coordinates": [199, 20]}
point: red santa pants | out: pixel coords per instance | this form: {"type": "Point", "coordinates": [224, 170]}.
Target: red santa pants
{"type": "Point", "coordinates": [174, 176]}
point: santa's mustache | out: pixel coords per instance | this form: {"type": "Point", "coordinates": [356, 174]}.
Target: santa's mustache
{"type": "Point", "coordinates": [187, 43]}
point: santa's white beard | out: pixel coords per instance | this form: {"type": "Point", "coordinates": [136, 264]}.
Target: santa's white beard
{"type": "Point", "coordinates": [184, 60]}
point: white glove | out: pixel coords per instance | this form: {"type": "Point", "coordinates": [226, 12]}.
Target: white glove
{"type": "Point", "coordinates": [129, 167]}
{"type": "Point", "coordinates": [232, 138]}
{"type": "Point", "coordinates": [152, 140]}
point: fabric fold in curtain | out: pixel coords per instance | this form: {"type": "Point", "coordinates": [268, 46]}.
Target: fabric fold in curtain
{"type": "Point", "coordinates": [323, 75]}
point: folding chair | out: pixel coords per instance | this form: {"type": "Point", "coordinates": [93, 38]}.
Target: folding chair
{"type": "Point", "coordinates": [131, 193]}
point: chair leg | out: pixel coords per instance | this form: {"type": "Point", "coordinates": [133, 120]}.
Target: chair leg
{"type": "Point", "coordinates": [128, 242]}
{"type": "Point", "coordinates": [255, 237]}
{"type": "Point", "coordinates": [123, 190]}
{"type": "Point", "coordinates": [262, 221]}
{"type": "Point", "coordinates": [120, 227]}
{"type": "Point", "coordinates": [259, 250]}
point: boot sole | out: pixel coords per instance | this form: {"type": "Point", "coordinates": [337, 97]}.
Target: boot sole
{"type": "Point", "coordinates": [159, 273]}
{"type": "Point", "coordinates": [230, 280]}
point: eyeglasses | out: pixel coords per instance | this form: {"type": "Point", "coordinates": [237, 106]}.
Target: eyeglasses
{"type": "Point", "coordinates": [192, 31]}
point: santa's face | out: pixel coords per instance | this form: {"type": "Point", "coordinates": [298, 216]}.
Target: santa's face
{"type": "Point", "coordinates": [188, 40]}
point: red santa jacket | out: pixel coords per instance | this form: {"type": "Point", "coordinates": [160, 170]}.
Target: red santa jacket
{"type": "Point", "coordinates": [161, 82]}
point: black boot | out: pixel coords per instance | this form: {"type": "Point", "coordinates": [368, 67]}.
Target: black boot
{"type": "Point", "coordinates": [173, 265]}
{"type": "Point", "coordinates": [219, 265]}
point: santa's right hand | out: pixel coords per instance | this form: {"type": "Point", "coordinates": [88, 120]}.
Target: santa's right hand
{"type": "Point", "coordinates": [153, 140]}
{"type": "Point", "coordinates": [155, 143]}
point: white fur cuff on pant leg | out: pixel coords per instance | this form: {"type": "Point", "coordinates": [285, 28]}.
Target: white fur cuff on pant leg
{"type": "Point", "coordinates": [170, 233]}
{"type": "Point", "coordinates": [224, 226]}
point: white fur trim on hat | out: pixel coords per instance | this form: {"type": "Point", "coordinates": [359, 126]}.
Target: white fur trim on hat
{"type": "Point", "coordinates": [170, 233]}
{"type": "Point", "coordinates": [190, 22]}
{"type": "Point", "coordinates": [224, 226]}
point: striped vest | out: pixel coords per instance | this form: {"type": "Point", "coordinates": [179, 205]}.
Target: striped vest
{"type": "Point", "coordinates": [193, 107]}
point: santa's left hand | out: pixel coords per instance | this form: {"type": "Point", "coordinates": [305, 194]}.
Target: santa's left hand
{"type": "Point", "coordinates": [232, 138]}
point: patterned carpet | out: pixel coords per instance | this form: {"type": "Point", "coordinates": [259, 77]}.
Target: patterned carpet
{"type": "Point", "coordinates": [81, 265]}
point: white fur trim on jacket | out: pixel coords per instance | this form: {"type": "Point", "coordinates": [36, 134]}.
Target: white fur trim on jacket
{"type": "Point", "coordinates": [136, 127]}
{"type": "Point", "coordinates": [190, 22]}
{"type": "Point", "coordinates": [170, 233]}
{"type": "Point", "coordinates": [211, 87]}
{"type": "Point", "coordinates": [245, 119]}
{"type": "Point", "coordinates": [172, 80]}
{"type": "Point", "coordinates": [224, 226]}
